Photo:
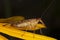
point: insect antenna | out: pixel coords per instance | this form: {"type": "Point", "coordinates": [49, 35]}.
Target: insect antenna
{"type": "Point", "coordinates": [45, 14]}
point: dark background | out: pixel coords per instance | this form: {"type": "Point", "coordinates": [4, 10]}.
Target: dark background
{"type": "Point", "coordinates": [32, 9]}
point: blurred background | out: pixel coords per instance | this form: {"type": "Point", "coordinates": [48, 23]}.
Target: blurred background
{"type": "Point", "coordinates": [48, 10]}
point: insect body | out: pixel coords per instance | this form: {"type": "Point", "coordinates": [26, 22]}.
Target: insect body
{"type": "Point", "coordinates": [29, 24]}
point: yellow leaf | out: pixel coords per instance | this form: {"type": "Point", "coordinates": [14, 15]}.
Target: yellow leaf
{"type": "Point", "coordinates": [22, 34]}
{"type": "Point", "coordinates": [12, 19]}
{"type": "Point", "coordinates": [3, 38]}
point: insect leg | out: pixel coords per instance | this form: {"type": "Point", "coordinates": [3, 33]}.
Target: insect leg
{"type": "Point", "coordinates": [42, 21]}
{"type": "Point", "coordinates": [41, 31]}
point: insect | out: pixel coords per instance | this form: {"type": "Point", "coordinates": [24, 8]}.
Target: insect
{"type": "Point", "coordinates": [29, 24]}
{"type": "Point", "coordinates": [26, 24]}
